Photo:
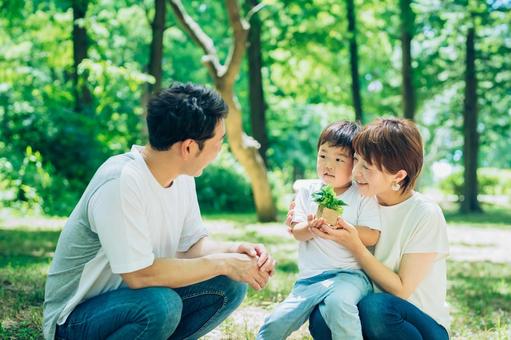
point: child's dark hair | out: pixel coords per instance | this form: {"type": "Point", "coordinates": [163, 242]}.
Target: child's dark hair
{"type": "Point", "coordinates": [183, 111]}
{"type": "Point", "coordinates": [340, 134]}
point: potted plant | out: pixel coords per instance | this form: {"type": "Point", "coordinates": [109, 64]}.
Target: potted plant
{"type": "Point", "coordinates": [329, 206]}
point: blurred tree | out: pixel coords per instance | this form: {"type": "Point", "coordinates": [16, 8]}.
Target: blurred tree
{"type": "Point", "coordinates": [154, 66]}
{"type": "Point", "coordinates": [224, 76]}
{"type": "Point", "coordinates": [407, 31]}
{"type": "Point", "coordinates": [255, 79]}
{"type": "Point", "coordinates": [83, 96]}
{"type": "Point", "coordinates": [470, 134]}
{"type": "Point", "coordinates": [355, 81]}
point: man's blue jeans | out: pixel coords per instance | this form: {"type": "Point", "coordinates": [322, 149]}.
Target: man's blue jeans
{"type": "Point", "coordinates": [336, 292]}
{"type": "Point", "coordinates": [155, 312]}
{"type": "Point", "coordinates": [385, 316]}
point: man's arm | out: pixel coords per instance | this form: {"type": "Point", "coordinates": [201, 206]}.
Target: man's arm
{"type": "Point", "coordinates": [206, 246]}
{"type": "Point", "coordinates": [175, 273]}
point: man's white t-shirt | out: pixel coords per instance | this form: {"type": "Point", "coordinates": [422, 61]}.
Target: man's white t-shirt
{"type": "Point", "coordinates": [417, 225]}
{"type": "Point", "coordinates": [136, 220]}
{"type": "Point", "coordinates": [318, 255]}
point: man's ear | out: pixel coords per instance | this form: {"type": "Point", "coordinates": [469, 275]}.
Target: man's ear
{"type": "Point", "coordinates": [187, 148]}
{"type": "Point", "coordinates": [400, 175]}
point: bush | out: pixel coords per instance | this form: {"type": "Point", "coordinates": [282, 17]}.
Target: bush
{"type": "Point", "coordinates": [491, 182]}
{"type": "Point", "coordinates": [223, 187]}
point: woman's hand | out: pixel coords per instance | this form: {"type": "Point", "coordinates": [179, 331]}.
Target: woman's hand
{"type": "Point", "coordinates": [346, 235]}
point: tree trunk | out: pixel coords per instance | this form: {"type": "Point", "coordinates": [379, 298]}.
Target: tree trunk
{"type": "Point", "coordinates": [154, 66]}
{"type": "Point", "coordinates": [244, 148]}
{"type": "Point", "coordinates": [355, 80]}
{"type": "Point", "coordinates": [407, 28]}
{"type": "Point", "coordinates": [83, 97]}
{"type": "Point", "coordinates": [470, 134]}
{"type": "Point", "coordinates": [255, 81]}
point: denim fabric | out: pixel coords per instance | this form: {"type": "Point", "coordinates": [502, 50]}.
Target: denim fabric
{"type": "Point", "coordinates": [341, 289]}
{"type": "Point", "coordinates": [385, 316]}
{"type": "Point", "coordinates": [155, 312]}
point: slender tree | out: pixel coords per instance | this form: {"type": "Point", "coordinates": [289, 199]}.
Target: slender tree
{"type": "Point", "coordinates": [471, 136]}
{"type": "Point", "coordinates": [154, 66]}
{"type": "Point", "coordinates": [83, 97]}
{"type": "Point", "coordinates": [255, 81]}
{"type": "Point", "coordinates": [355, 80]}
{"type": "Point", "coordinates": [407, 28]}
{"type": "Point", "coordinates": [244, 148]}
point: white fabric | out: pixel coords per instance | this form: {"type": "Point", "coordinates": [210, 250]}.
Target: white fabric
{"type": "Point", "coordinates": [137, 221]}
{"type": "Point", "coordinates": [417, 225]}
{"type": "Point", "coordinates": [318, 255]}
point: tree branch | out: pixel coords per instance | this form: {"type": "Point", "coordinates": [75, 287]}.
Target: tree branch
{"type": "Point", "coordinates": [210, 58]}
{"type": "Point", "coordinates": [240, 29]}
{"type": "Point", "coordinates": [254, 10]}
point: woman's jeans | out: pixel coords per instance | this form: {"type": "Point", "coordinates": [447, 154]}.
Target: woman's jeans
{"type": "Point", "coordinates": [336, 292]}
{"type": "Point", "coordinates": [155, 312]}
{"type": "Point", "coordinates": [385, 316]}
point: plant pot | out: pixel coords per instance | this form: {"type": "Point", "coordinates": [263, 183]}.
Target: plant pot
{"type": "Point", "coordinates": [329, 215]}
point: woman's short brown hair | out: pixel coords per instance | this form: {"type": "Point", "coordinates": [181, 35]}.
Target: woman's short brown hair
{"type": "Point", "coordinates": [392, 144]}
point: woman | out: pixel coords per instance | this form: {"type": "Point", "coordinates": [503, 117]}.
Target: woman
{"type": "Point", "coordinates": [408, 267]}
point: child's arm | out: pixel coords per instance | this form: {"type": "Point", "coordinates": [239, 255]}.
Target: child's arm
{"type": "Point", "coordinates": [300, 231]}
{"type": "Point", "coordinates": [368, 236]}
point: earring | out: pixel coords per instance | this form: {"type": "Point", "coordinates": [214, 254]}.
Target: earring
{"type": "Point", "coordinates": [395, 186]}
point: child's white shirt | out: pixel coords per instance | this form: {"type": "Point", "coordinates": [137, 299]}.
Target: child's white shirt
{"type": "Point", "coordinates": [318, 255]}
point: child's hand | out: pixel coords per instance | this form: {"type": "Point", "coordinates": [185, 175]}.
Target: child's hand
{"type": "Point", "coordinates": [342, 224]}
{"type": "Point", "coordinates": [313, 222]}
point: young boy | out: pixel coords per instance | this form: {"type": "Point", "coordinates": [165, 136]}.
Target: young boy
{"type": "Point", "coordinates": [329, 275]}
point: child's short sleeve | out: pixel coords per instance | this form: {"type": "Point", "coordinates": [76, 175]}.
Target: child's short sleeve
{"type": "Point", "coordinates": [304, 203]}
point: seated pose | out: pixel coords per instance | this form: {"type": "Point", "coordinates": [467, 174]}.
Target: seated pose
{"type": "Point", "coordinates": [329, 276]}
{"type": "Point", "coordinates": [408, 267]}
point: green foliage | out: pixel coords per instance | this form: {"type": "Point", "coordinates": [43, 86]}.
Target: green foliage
{"type": "Point", "coordinates": [224, 187]}
{"type": "Point", "coordinates": [326, 198]}
{"type": "Point", "coordinates": [305, 73]}
{"type": "Point", "coordinates": [491, 182]}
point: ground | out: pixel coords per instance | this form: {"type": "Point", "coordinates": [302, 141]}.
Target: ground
{"type": "Point", "coordinates": [479, 274]}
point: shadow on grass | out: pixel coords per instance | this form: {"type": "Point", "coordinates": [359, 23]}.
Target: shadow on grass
{"type": "Point", "coordinates": [480, 293]}
{"type": "Point", "coordinates": [491, 217]}
{"type": "Point", "coordinates": [25, 256]}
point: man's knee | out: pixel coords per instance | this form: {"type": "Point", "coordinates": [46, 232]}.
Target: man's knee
{"type": "Point", "coordinates": [234, 291]}
{"type": "Point", "coordinates": [161, 308]}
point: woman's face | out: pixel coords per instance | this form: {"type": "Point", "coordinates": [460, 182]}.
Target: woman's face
{"type": "Point", "coordinates": [371, 181]}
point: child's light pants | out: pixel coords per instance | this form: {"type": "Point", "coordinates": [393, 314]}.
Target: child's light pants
{"type": "Point", "coordinates": [337, 293]}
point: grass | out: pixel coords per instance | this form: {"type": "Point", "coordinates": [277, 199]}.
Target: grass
{"type": "Point", "coordinates": [491, 217]}
{"type": "Point", "coordinates": [479, 293]}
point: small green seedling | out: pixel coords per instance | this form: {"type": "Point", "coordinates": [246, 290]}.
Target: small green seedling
{"type": "Point", "coordinates": [329, 206]}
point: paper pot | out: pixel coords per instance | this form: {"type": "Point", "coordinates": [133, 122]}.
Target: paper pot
{"type": "Point", "coordinates": [329, 215]}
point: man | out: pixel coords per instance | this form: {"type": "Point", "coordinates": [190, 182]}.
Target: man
{"type": "Point", "coordinates": [134, 259]}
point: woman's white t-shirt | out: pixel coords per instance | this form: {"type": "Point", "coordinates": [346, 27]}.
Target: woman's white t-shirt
{"type": "Point", "coordinates": [417, 225]}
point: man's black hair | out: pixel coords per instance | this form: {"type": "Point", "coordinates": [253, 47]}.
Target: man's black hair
{"type": "Point", "coordinates": [183, 111]}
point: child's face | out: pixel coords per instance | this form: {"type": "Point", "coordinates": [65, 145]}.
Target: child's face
{"type": "Point", "coordinates": [334, 165]}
